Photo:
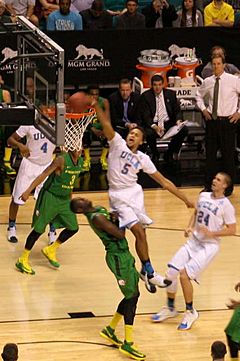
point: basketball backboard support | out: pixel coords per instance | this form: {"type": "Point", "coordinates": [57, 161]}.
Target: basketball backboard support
{"type": "Point", "coordinates": [38, 76]}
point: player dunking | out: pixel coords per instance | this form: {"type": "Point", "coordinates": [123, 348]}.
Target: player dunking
{"type": "Point", "coordinates": [213, 218]}
{"type": "Point", "coordinates": [126, 195]}
{"type": "Point", "coordinates": [37, 155]}
{"type": "Point", "coordinates": [122, 264]}
{"type": "Point", "coordinates": [53, 205]}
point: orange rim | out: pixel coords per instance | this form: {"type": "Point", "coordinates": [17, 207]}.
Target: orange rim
{"type": "Point", "coordinates": [51, 113]}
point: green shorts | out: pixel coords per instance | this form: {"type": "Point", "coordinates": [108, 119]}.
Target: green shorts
{"type": "Point", "coordinates": [122, 264]}
{"type": "Point", "coordinates": [53, 209]}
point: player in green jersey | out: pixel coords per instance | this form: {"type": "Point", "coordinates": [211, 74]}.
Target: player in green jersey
{"type": "Point", "coordinates": [122, 264]}
{"type": "Point", "coordinates": [53, 205]}
{"type": "Point", "coordinates": [233, 328]}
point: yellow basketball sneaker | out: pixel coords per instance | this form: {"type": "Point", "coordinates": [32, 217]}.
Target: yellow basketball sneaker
{"type": "Point", "coordinates": [8, 169]}
{"type": "Point", "coordinates": [23, 266]}
{"type": "Point", "coordinates": [130, 350]}
{"type": "Point", "coordinates": [109, 334]}
{"type": "Point", "coordinates": [50, 254]}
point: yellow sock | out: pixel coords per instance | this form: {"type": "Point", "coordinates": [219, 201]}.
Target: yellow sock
{"type": "Point", "coordinates": [25, 255]}
{"type": "Point", "coordinates": [86, 153]}
{"type": "Point", "coordinates": [7, 154]}
{"type": "Point", "coordinates": [104, 153]}
{"type": "Point", "coordinates": [115, 320]}
{"type": "Point", "coordinates": [128, 333]}
{"type": "Point", "coordinates": [54, 245]}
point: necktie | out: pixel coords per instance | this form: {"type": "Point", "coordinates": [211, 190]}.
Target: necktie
{"type": "Point", "coordinates": [159, 111]}
{"type": "Point", "coordinates": [215, 99]}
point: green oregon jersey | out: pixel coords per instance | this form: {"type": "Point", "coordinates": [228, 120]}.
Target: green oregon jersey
{"type": "Point", "coordinates": [111, 243]}
{"type": "Point", "coordinates": [1, 95]}
{"type": "Point", "coordinates": [62, 185]}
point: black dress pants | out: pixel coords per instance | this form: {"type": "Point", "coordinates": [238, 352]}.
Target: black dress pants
{"type": "Point", "coordinates": [220, 135]}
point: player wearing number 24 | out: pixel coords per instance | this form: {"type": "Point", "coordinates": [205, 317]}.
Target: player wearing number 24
{"type": "Point", "coordinates": [213, 218]}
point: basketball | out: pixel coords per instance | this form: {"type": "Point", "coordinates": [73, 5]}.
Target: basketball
{"type": "Point", "coordinates": [78, 103]}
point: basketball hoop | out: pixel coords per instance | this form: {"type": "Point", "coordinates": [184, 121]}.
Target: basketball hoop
{"type": "Point", "coordinates": [75, 126]}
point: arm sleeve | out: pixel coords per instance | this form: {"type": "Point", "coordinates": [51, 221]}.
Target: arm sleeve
{"type": "Point", "coordinates": [78, 22]}
{"type": "Point", "coordinates": [229, 213]}
{"type": "Point", "coordinates": [22, 131]}
{"type": "Point", "coordinates": [147, 165]}
{"type": "Point", "coordinates": [50, 22]}
{"type": "Point", "coordinates": [207, 17]}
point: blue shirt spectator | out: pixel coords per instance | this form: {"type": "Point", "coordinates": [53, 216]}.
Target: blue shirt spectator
{"type": "Point", "coordinates": [64, 19]}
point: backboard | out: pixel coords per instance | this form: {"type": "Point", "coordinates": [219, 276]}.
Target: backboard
{"type": "Point", "coordinates": [37, 63]}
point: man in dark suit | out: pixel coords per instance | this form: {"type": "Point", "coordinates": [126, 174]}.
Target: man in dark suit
{"type": "Point", "coordinates": [123, 107]}
{"type": "Point", "coordinates": [159, 110]}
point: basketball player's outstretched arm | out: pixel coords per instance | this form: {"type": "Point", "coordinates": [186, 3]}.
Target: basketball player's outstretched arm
{"type": "Point", "coordinates": [105, 225]}
{"type": "Point", "coordinates": [105, 120]}
{"type": "Point", "coordinates": [167, 184]}
{"type": "Point", "coordinates": [56, 166]}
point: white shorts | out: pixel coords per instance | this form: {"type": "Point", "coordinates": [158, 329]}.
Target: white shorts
{"type": "Point", "coordinates": [194, 257]}
{"type": "Point", "coordinates": [27, 172]}
{"type": "Point", "coordinates": [129, 204]}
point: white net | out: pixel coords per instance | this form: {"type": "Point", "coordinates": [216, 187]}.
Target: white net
{"type": "Point", "coordinates": [75, 127]}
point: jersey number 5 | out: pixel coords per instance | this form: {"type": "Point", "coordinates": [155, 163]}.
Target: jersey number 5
{"type": "Point", "coordinates": [125, 168]}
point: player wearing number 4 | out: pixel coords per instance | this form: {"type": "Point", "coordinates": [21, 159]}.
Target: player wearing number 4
{"type": "Point", "coordinates": [53, 205]}
{"type": "Point", "coordinates": [126, 195]}
{"type": "Point", "coordinates": [37, 155]}
{"type": "Point", "coordinates": [214, 217]}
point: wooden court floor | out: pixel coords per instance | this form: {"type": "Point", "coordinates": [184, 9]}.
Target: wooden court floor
{"type": "Point", "coordinates": [35, 310]}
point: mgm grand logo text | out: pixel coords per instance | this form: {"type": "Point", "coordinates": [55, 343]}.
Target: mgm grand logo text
{"type": "Point", "coordinates": [88, 59]}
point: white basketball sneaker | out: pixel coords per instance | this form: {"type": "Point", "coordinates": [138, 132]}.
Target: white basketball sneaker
{"type": "Point", "coordinates": [164, 314]}
{"type": "Point", "coordinates": [159, 281]}
{"type": "Point", "coordinates": [11, 234]}
{"type": "Point", "coordinates": [189, 317]}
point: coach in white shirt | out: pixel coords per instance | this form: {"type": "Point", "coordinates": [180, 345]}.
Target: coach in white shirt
{"type": "Point", "coordinates": [217, 98]}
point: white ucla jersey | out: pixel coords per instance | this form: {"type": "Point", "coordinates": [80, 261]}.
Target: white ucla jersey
{"type": "Point", "coordinates": [41, 149]}
{"type": "Point", "coordinates": [213, 213]}
{"type": "Point", "coordinates": [123, 164]}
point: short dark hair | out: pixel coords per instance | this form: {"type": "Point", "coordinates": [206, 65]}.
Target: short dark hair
{"type": "Point", "coordinates": [10, 352]}
{"type": "Point", "coordinates": [135, 1]}
{"type": "Point", "coordinates": [157, 77]}
{"type": "Point", "coordinates": [217, 47]}
{"type": "Point", "coordinates": [92, 87]}
{"type": "Point", "coordinates": [125, 81]}
{"type": "Point", "coordinates": [218, 349]}
{"type": "Point", "coordinates": [141, 130]}
{"type": "Point", "coordinates": [97, 5]}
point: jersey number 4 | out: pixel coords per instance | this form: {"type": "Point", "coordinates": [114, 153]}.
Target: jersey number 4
{"type": "Point", "coordinates": [44, 147]}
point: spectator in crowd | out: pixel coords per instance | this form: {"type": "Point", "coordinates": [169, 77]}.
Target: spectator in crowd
{"type": "Point", "coordinates": [131, 19]}
{"type": "Point", "coordinates": [219, 13]}
{"type": "Point", "coordinates": [233, 328]}
{"type": "Point", "coordinates": [189, 16]}
{"type": "Point", "coordinates": [42, 9]}
{"type": "Point", "coordinates": [123, 108]}
{"type": "Point", "coordinates": [218, 51]}
{"type": "Point", "coordinates": [220, 111]}
{"type": "Point", "coordinates": [159, 14]}
{"type": "Point", "coordinates": [64, 19]}
{"type": "Point", "coordinates": [24, 8]}
{"type": "Point", "coordinates": [94, 131]}
{"type": "Point", "coordinates": [159, 110]}
{"type": "Point", "coordinates": [10, 352]}
{"type": "Point", "coordinates": [218, 351]}
{"type": "Point", "coordinates": [96, 18]}
{"type": "Point", "coordinates": [4, 17]}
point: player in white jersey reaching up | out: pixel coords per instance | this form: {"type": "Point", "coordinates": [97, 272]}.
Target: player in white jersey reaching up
{"type": "Point", "coordinates": [126, 195]}
{"type": "Point", "coordinates": [214, 217]}
{"type": "Point", "coordinates": [37, 155]}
